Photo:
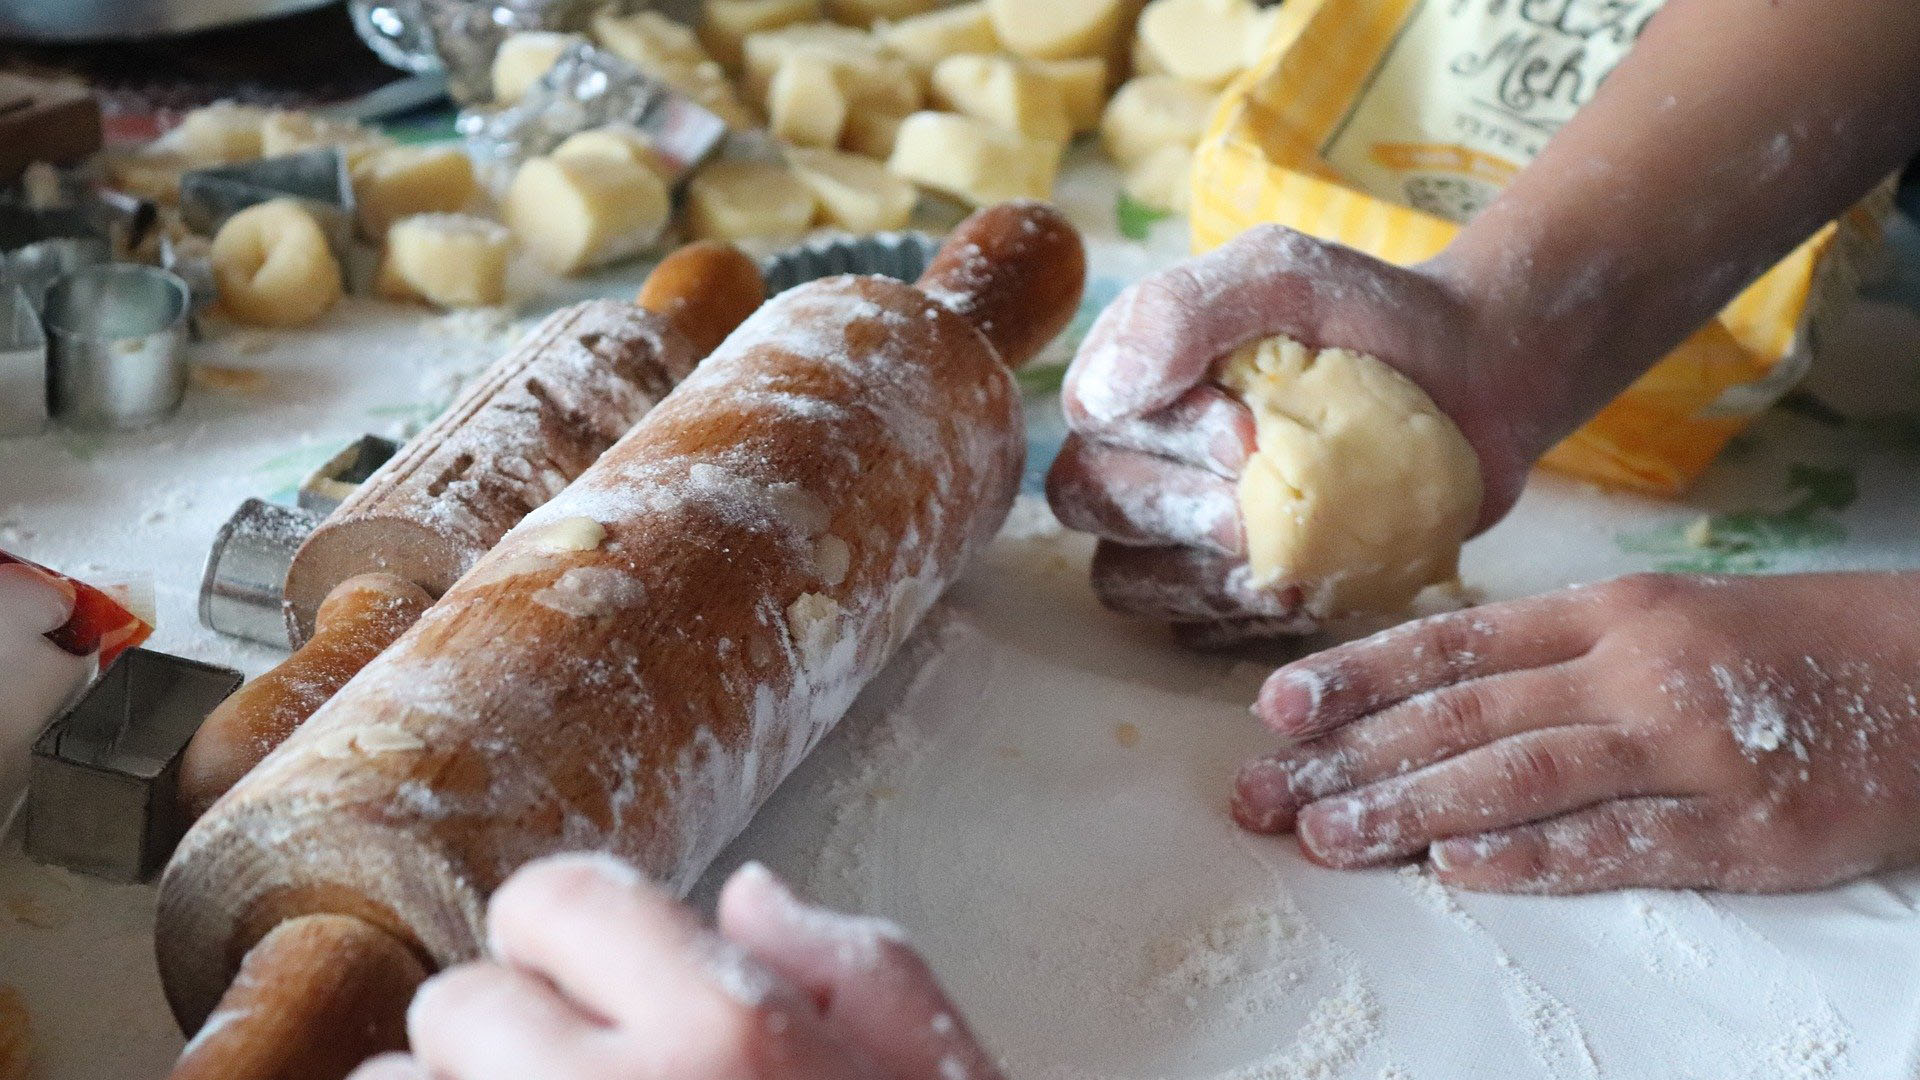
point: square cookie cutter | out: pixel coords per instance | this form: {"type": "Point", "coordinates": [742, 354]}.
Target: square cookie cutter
{"type": "Point", "coordinates": [103, 788]}
{"type": "Point", "coordinates": [331, 483]}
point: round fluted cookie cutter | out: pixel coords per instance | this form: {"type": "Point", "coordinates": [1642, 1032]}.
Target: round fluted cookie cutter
{"type": "Point", "coordinates": [903, 256]}
{"type": "Point", "coordinates": [116, 339]}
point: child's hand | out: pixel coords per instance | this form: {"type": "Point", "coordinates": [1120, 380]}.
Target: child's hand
{"type": "Point", "coordinates": [1156, 449]}
{"type": "Point", "coordinates": [1756, 734]}
{"type": "Point", "coordinates": [597, 975]}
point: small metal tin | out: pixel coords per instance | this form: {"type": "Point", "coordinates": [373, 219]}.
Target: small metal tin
{"type": "Point", "coordinates": [246, 572]}
{"type": "Point", "coordinates": [318, 178]}
{"type": "Point", "coordinates": [103, 790]}
{"type": "Point", "coordinates": [23, 364]}
{"type": "Point", "coordinates": [333, 481]}
{"type": "Point", "coordinates": [117, 336]}
{"type": "Point", "coordinates": [903, 256]}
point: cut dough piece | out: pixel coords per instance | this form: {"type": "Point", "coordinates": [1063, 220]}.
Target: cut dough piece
{"type": "Point", "coordinates": [806, 104]}
{"type": "Point", "coordinates": [973, 160]}
{"type": "Point", "coordinates": [854, 193]}
{"type": "Point", "coordinates": [1163, 179]}
{"type": "Point", "coordinates": [290, 131]}
{"type": "Point", "coordinates": [1004, 92]}
{"type": "Point", "coordinates": [871, 132]}
{"type": "Point", "coordinates": [670, 52]}
{"type": "Point", "coordinates": [616, 141]}
{"type": "Point", "coordinates": [925, 40]}
{"type": "Point", "coordinates": [1083, 86]}
{"type": "Point", "coordinates": [1060, 29]}
{"type": "Point", "coordinates": [397, 181]}
{"type": "Point", "coordinates": [864, 13]}
{"type": "Point", "coordinates": [579, 212]}
{"type": "Point", "coordinates": [867, 69]}
{"type": "Point", "coordinates": [453, 260]}
{"type": "Point", "coordinates": [1360, 492]}
{"type": "Point", "coordinates": [219, 134]}
{"type": "Point", "coordinates": [523, 58]}
{"type": "Point", "coordinates": [1201, 40]}
{"type": "Point", "coordinates": [732, 200]}
{"type": "Point", "coordinates": [273, 267]}
{"type": "Point", "coordinates": [1153, 111]}
{"type": "Point", "coordinates": [726, 23]}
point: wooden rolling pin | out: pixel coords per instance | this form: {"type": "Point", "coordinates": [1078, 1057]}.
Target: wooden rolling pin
{"type": "Point", "coordinates": [638, 664]}
{"type": "Point", "coordinates": [526, 428]}
{"type": "Point", "coordinates": [701, 292]}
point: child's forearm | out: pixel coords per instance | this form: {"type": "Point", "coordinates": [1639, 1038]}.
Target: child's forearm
{"type": "Point", "coordinates": [1728, 135]}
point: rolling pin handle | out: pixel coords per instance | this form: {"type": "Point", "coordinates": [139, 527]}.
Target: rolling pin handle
{"type": "Point", "coordinates": [1016, 271]}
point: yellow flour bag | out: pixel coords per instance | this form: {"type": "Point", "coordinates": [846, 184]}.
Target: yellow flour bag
{"type": "Point", "coordinates": [1384, 124]}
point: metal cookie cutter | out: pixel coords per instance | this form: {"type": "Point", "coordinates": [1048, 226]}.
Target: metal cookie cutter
{"type": "Point", "coordinates": [333, 481]}
{"type": "Point", "coordinates": [318, 178]}
{"type": "Point", "coordinates": [117, 338]}
{"type": "Point", "coordinates": [102, 793]}
{"type": "Point", "coordinates": [23, 364]}
{"type": "Point", "coordinates": [242, 585]}
{"type": "Point", "coordinates": [900, 255]}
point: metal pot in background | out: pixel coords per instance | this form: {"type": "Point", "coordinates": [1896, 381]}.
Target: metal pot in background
{"type": "Point", "coordinates": [119, 20]}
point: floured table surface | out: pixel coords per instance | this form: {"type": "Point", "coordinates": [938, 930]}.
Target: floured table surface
{"type": "Point", "coordinates": [1036, 790]}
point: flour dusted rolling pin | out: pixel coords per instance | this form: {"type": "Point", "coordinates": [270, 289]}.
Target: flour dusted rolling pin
{"type": "Point", "coordinates": [761, 544]}
{"type": "Point", "coordinates": [526, 428]}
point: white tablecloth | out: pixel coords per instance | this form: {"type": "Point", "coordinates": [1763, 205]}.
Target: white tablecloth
{"type": "Point", "coordinates": [1036, 790]}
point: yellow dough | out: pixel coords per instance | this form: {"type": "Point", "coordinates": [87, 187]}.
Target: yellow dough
{"type": "Point", "coordinates": [726, 23]}
{"type": "Point", "coordinates": [1083, 86]}
{"type": "Point", "coordinates": [616, 141]}
{"type": "Point", "coordinates": [1153, 111]}
{"type": "Point", "coordinates": [453, 260]}
{"type": "Point", "coordinates": [732, 200]}
{"type": "Point", "coordinates": [806, 103]}
{"type": "Point", "coordinates": [402, 180]}
{"type": "Point", "coordinates": [523, 57]}
{"type": "Point", "coordinates": [855, 193]}
{"type": "Point", "coordinates": [672, 53]}
{"type": "Point", "coordinates": [219, 134]}
{"type": "Point", "coordinates": [1360, 492]}
{"type": "Point", "coordinates": [871, 132]}
{"type": "Point", "coordinates": [584, 210]}
{"type": "Point", "coordinates": [973, 160]}
{"type": "Point", "coordinates": [925, 40]}
{"type": "Point", "coordinates": [1003, 92]}
{"type": "Point", "coordinates": [867, 12]}
{"type": "Point", "coordinates": [1060, 29]}
{"type": "Point", "coordinates": [1200, 40]}
{"type": "Point", "coordinates": [273, 267]}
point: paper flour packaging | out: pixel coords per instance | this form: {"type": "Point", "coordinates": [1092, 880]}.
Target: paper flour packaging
{"type": "Point", "coordinates": [1384, 124]}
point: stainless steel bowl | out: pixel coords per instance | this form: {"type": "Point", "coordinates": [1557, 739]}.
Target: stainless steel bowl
{"type": "Point", "coordinates": [111, 20]}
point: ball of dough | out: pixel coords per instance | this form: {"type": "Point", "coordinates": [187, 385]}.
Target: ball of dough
{"type": "Point", "coordinates": [453, 260]}
{"type": "Point", "coordinates": [1360, 492]}
{"type": "Point", "coordinates": [855, 193]}
{"type": "Point", "coordinates": [272, 266]}
{"type": "Point", "coordinates": [582, 211]}
{"type": "Point", "coordinates": [1153, 111]}
{"type": "Point", "coordinates": [402, 180]}
{"type": "Point", "coordinates": [732, 200]}
{"type": "Point", "coordinates": [973, 160]}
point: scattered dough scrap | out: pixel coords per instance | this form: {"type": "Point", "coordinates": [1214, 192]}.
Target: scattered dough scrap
{"type": "Point", "coordinates": [399, 181]}
{"type": "Point", "coordinates": [571, 534]}
{"type": "Point", "coordinates": [854, 193]}
{"type": "Point", "coordinates": [1163, 179]}
{"type": "Point", "coordinates": [578, 212]}
{"type": "Point", "coordinates": [925, 40]}
{"type": "Point", "coordinates": [814, 621]}
{"type": "Point", "coordinates": [273, 267]}
{"type": "Point", "coordinates": [973, 160]}
{"type": "Point", "coordinates": [1004, 92]}
{"type": "Point", "coordinates": [729, 200]}
{"type": "Point", "coordinates": [1360, 491]}
{"type": "Point", "coordinates": [586, 592]}
{"type": "Point", "coordinates": [1153, 111]}
{"type": "Point", "coordinates": [725, 24]}
{"type": "Point", "coordinates": [523, 57]}
{"type": "Point", "coordinates": [453, 260]}
{"type": "Point", "coordinates": [832, 558]}
{"type": "Point", "coordinates": [1061, 29]}
{"type": "Point", "coordinates": [376, 739]}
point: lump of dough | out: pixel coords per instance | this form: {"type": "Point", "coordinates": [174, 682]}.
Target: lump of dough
{"type": "Point", "coordinates": [1003, 92]}
{"type": "Point", "coordinates": [523, 57]}
{"type": "Point", "coordinates": [453, 260]}
{"type": "Point", "coordinates": [1163, 179]}
{"type": "Point", "coordinates": [1360, 491]}
{"type": "Point", "coordinates": [1060, 29]}
{"type": "Point", "coordinates": [219, 134]}
{"type": "Point", "coordinates": [731, 200]}
{"type": "Point", "coordinates": [806, 104]}
{"type": "Point", "coordinates": [925, 40]}
{"type": "Point", "coordinates": [1200, 40]}
{"type": "Point", "coordinates": [399, 181]}
{"type": "Point", "coordinates": [272, 265]}
{"type": "Point", "coordinates": [574, 213]}
{"type": "Point", "coordinates": [1083, 86]}
{"type": "Point", "coordinates": [725, 24]}
{"type": "Point", "coordinates": [871, 76]}
{"type": "Point", "coordinates": [973, 160]}
{"type": "Point", "coordinates": [1153, 111]}
{"type": "Point", "coordinates": [671, 52]}
{"type": "Point", "coordinates": [855, 193]}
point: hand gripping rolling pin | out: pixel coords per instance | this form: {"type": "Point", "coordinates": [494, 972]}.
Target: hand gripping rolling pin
{"type": "Point", "coordinates": [582, 380]}
{"type": "Point", "coordinates": [762, 543]}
